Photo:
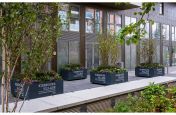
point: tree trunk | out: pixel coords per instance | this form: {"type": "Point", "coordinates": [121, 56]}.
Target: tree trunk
{"type": "Point", "coordinates": [2, 92]}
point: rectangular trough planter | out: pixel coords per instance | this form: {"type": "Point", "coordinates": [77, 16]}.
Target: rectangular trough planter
{"type": "Point", "coordinates": [149, 72]}
{"type": "Point", "coordinates": [108, 78]}
{"type": "Point", "coordinates": [74, 75]}
{"type": "Point", "coordinates": [36, 89]}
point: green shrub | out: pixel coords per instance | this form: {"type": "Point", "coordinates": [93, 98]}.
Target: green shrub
{"type": "Point", "coordinates": [150, 65]}
{"type": "Point", "coordinates": [40, 76]}
{"type": "Point", "coordinates": [152, 99]}
{"type": "Point", "coordinates": [109, 69]}
{"type": "Point", "coordinates": [71, 67]}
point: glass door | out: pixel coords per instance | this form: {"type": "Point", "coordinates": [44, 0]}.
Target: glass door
{"type": "Point", "coordinates": [92, 55]}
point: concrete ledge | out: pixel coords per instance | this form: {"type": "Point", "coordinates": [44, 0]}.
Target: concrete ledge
{"type": "Point", "coordinates": [66, 100]}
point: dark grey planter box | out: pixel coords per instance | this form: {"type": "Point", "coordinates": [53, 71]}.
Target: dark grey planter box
{"type": "Point", "coordinates": [74, 75]}
{"type": "Point", "coordinates": [36, 89]}
{"type": "Point", "coordinates": [149, 72]}
{"type": "Point", "coordinates": [108, 78]}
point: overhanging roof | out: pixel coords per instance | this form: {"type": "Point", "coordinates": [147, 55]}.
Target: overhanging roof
{"type": "Point", "coordinates": [120, 6]}
{"type": "Point", "coordinates": [113, 5]}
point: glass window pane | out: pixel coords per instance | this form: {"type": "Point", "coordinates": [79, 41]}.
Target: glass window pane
{"type": "Point", "coordinates": [96, 55]}
{"type": "Point", "coordinates": [111, 27]}
{"type": "Point", "coordinates": [111, 18]}
{"type": "Point", "coordinates": [118, 19]}
{"type": "Point", "coordinates": [74, 52]}
{"type": "Point", "coordinates": [127, 20]}
{"type": "Point", "coordinates": [89, 20]}
{"type": "Point", "coordinates": [173, 30]}
{"type": "Point", "coordinates": [117, 29]}
{"type": "Point", "coordinates": [156, 30]}
{"type": "Point", "coordinates": [165, 32]}
{"type": "Point", "coordinates": [89, 13]}
{"type": "Point", "coordinates": [175, 33]}
{"type": "Point", "coordinates": [97, 16]}
{"type": "Point", "coordinates": [147, 30]}
{"type": "Point", "coordinates": [63, 18]}
{"type": "Point", "coordinates": [133, 20]}
{"type": "Point", "coordinates": [62, 51]}
{"type": "Point", "coordinates": [97, 27]}
{"type": "Point", "coordinates": [74, 25]}
{"type": "Point", "coordinates": [89, 26]}
{"type": "Point", "coordinates": [74, 12]}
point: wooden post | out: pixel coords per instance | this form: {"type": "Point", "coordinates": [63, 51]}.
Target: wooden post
{"type": "Point", "coordinates": [82, 53]}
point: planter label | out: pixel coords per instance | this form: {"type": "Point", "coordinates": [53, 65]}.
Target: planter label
{"type": "Point", "coordinates": [119, 77]}
{"type": "Point", "coordinates": [77, 73]}
{"type": "Point", "coordinates": [159, 71]}
{"type": "Point", "coordinates": [144, 71]}
{"type": "Point", "coordinates": [47, 88]}
{"type": "Point", "coordinates": [100, 77]}
{"type": "Point", "coordinates": [19, 88]}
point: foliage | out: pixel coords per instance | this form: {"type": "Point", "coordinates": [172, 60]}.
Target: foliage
{"type": "Point", "coordinates": [109, 69]}
{"type": "Point", "coordinates": [40, 77]}
{"type": "Point", "coordinates": [150, 65]}
{"type": "Point", "coordinates": [135, 29]}
{"type": "Point", "coordinates": [153, 98]}
{"type": "Point", "coordinates": [108, 48]}
{"type": "Point", "coordinates": [71, 67]}
{"type": "Point", "coordinates": [29, 31]}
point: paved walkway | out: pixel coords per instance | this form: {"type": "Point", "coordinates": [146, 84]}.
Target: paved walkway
{"type": "Point", "coordinates": [71, 86]}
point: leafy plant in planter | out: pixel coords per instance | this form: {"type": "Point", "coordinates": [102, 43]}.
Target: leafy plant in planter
{"type": "Point", "coordinates": [107, 73]}
{"type": "Point", "coordinates": [148, 68]}
{"type": "Point", "coordinates": [73, 72]}
{"type": "Point", "coordinates": [41, 84]}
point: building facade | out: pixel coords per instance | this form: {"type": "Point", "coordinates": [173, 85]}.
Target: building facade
{"type": "Point", "coordinates": [78, 43]}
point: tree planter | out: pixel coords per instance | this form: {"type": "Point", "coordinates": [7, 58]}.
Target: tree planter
{"type": "Point", "coordinates": [37, 89]}
{"type": "Point", "coordinates": [108, 78]}
{"type": "Point", "coordinates": [149, 72]}
{"type": "Point", "coordinates": [73, 75]}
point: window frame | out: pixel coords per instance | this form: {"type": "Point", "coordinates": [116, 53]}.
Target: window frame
{"type": "Point", "coordinates": [161, 8]}
{"type": "Point", "coordinates": [69, 18]}
{"type": "Point", "coordinates": [94, 19]}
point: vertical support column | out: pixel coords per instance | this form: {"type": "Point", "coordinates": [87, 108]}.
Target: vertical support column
{"type": "Point", "coordinates": [104, 21]}
{"type": "Point", "coordinates": [170, 46]}
{"type": "Point", "coordinates": [123, 46]}
{"type": "Point", "coordinates": [161, 44]}
{"type": "Point", "coordinates": [54, 57]}
{"type": "Point", "coordinates": [82, 53]}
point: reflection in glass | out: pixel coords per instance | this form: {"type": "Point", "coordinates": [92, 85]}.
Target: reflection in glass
{"type": "Point", "coordinates": [165, 32]}
{"type": "Point", "coordinates": [173, 33]}
{"type": "Point", "coordinates": [74, 52]}
{"type": "Point", "coordinates": [89, 55]}
{"type": "Point", "coordinates": [74, 12]}
{"type": "Point", "coordinates": [89, 20]}
{"type": "Point", "coordinates": [156, 30]}
{"type": "Point", "coordinates": [127, 20]}
{"type": "Point", "coordinates": [74, 25]}
{"type": "Point", "coordinates": [96, 55]}
{"type": "Point", "coordinates": [117, 28]}
{"type": "Point", "coordinates": [62, 51]}
{"type": "Point", "coordinates": [63, 17]}
{"type": "Point", "coordinates": [118, 19]}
